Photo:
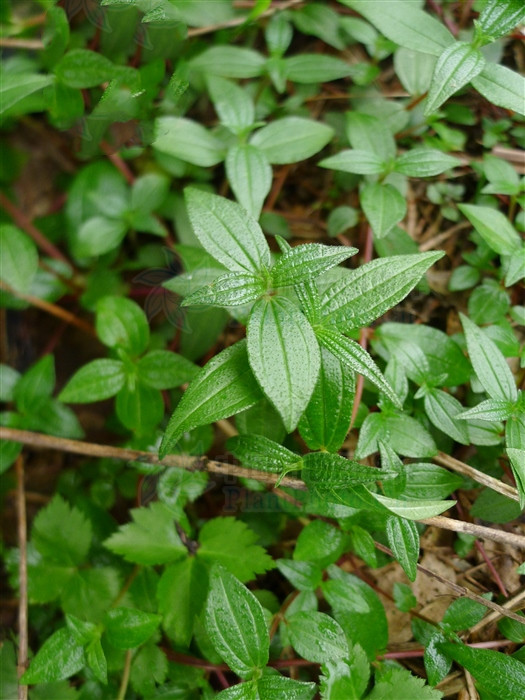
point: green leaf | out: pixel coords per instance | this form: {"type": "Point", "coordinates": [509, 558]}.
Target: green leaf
{"type": "Point", "coordinates": [491, 409]}
{"type": "Point", "coordinates": [233, 104]}
{"type": "Point", "coordinates": [517, 462]}
{"type": "Point", "coordinates": [366, 293]}
{"type": "Point", "coordinates": [346, 678]}
{"type": "Point", "coordinates": [8, 380]}
{"type": "Point", "coordinates": [315, 68]}
{"type": "Point", "coordinates": [352, 354]}
{"type": "Point", "coordinates": [414, 69]}
{"type": "Point", "coordinates": [341, 596]}
{"type": "Point", "coordinates": [249, 175]}
{"type": "Point", "coordinates": [59, 657]}
{"type": "Point", "coordinates": [149, 668]}
{"type": "Point", "coordinates": [369, 133]}
{"type": "Point", "coordinates": [235, 622]}
{"type": "Point", "coordinates": [149, 192]}
{"type": "Point", "coordinates": [326, 420]}
{"type": "Point", "coordinates": [494, 227]}
{"type": "Point", "coordinates": [81, 68]}
{"type": "Point", "coordinates": [362, 543]}
{"type": "Point", "coordinates": [139, 407]}
{"type": "Point", "coordinates": [284, 356]}
{"type": "Point", "coordinates": [181, 593]}
{"type": "Point", "coordinates": [259, 452]}
{"type": "Point", "coordinates": [261, 419]}
{"type": "Point", "coordinates": [282, 687]}
{"type": "Point", "coordinates": [291, 139]}
{"type": "Point", "coordinates": [425, 162]}
{"type": "Point", "coordinates": [95, 381]}
{"type": "Point", "coordinates": [229, 62]}
{"type": "Point", "coordinates": [150, 539]}
{"type": "Point", "coordinates": [383, 206]}
{"type": "Point", "coordinates": [35, 386]}
{"type": "Point", "coordinates": [232, 289]}
{"type": "Point", "coordinates": [413, 510]}
{"type": "Point", "coordinates": [127, 628]}
{"type": "Point", "coordinates": [463, 613]}
{"type": "Point", "coordinates": [444, 356]}
{"type": "Point", "coordinates": [306, 262]}
{"type": "Point", "coordinates": [162, 369]}
{"type": "Point", "coordinates": [326, 473]}
{"type": "Point", "coordinates": [501, 86]}
{"type": "Point", "coordinates": [489, 364]}
{"type": "Point", "coordinates": [366, 627]}
{"type": "Point", "coordinates": [399, 684]}
{"type": "Point", "coordinates": [495, 672]}
{"type": "Point", "coordinates": [57, 544]}
{"type": "Point", "coordinates": [303, 575]}
{"type": "Point", "coordinates": [123, 324]}
{"type": "Point", "coordinates": [226, 232]}
{"type": "Point", "coordinates": [499, 17]}
{"type": "Point", "coordinates": [404, 598]}
{"type": "Point", "coordinates": [354, 160]}
{"type": "Point", "coordinates": [19, 258]}
{"type": "Point", "coordinates": [317, 637]}
{"type": "Point", "coordinates": [97, 236]}
{"type": "Point", "coordinates": [319, 542]}
{"type": "Point", "coordinates": [403, 538]}
{"type": "Point", "coordinates": [231, 543]}
{"type": "Point", "coordinates": [188, 140]}
{"type": "Point", "coordinates": [455, 68]}
{"type": "Point", "coordinates": [405, 24]}
{"type": "Point", "coordinates": [224, 387]}
{"type": "Point", "coordinates": [463, 277]}
{"type": "Point", "coordinates": [443, 411]}
{"type": "Point", "coordinates": [16, 87]}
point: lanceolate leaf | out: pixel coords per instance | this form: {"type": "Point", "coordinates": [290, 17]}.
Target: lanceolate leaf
{"type": "Point", "coordinates": [425, 162]}
{"type": "Point", "coordinates": [325, 422]}
{"type": "Point", "coordinates": [499, 17]}
{"type": "Point", "coordinates": [233, 289]}
{"type": "Point", "coordinates": [366, 293]}
{"type": "Point", "coordinates": [227, 232]}
{"type": "Point", "coordinates": [413, 510]}
{"type": "Point", "coordinates": [353, 355]}
{"type": "Point", "coordinates": [370, 133]}
{"type": "Point", "coordinates": [405, 24]}
{"type": "Point", "coordinates": [291, 139]}
{"type": "Point", "coordinates": [491, 409]}
{"type": "Point", "coordinates": [494, 227]}
{"type": "Point", "coordinates": [317, 636]}
{"type": "Point", "coordinates": [96, 381]}
{"type": "Point", "coordinates": [222, 388]}
{"type": "Point", "coordinates": [235, 623]}
{"type": "Point", "coordinates": [250, 176]}
{"type": "Point", "coordinates": [61, 656]}
{"type": "Point", "coordinates": [19, 258]}
{"type": "Point", "coordinates": [501, 86]}
{"type": "Point", "coordinates": [456, 66]}
{"type": "Point", "coordinates": [306, 262]}
{"type": "Point", "coordinates": [517, 462]}
{"type": "Point", "coordinates": [403, 538]}
{"type": "Point", "coordinates": [284, 355]}
{"type": "Point", "coordinates": [443, 410]}
{"type": "Point", "coordinates": [355, 161]}
{"type": "Point", "coordinates": [324, 472]}
{"type": "Point", "coordinates": [498, 673]}
{"type": "Point", "coordinates": [489, 364]}
{"type": "Point", "coordinates": [384, 207]}
{"type": "Point", "coordinates": [259, 452]}
{"type": "Point", "coordinates": [233, 104]}
{"type": "Point", "coordinates": [187, 140]}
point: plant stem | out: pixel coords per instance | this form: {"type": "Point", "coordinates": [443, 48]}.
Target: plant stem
{"type": "Point", "coordinates": [22, 575]}
{"type": "Point", "coordinates": [484, 479]}
{"type": "Point", "coordinates": [125, 676]}
{"type": "Point", "coordinates": [52, 309]}
{"type": "Point", "coordinates": [237, 21]}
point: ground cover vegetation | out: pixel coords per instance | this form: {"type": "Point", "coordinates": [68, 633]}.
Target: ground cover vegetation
{"type": "Point", "coordinates": [261, 282]}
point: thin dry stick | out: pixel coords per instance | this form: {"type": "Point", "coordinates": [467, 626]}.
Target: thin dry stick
{"type": "Point", "coordinates": [214, 467]}
{"type": "Point", "coordinates": [52, 309]}
{"type": "Point", "coordinates": [23, 222]}
{"type": "Point", "coordinates": [485, 533]}
{"type": "Point", "coordinates": [22, 575]}
{"type": "Point", "coordinates": [237, 21]}
{"type": "Point", "coordinates": [484, 479]}
{"type": "Point", "coordinates": [515, 603]}
{"type": "Point", "coordinates": [460, 590]}
{"type": "Point", "coordinates": [29, 44]}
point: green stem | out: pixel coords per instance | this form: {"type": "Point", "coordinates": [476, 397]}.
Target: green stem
{"type": "Point", "coordinates": [125, 676]}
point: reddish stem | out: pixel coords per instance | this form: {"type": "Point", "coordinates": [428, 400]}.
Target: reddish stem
{"type": "Point", "coordinates": [118, 162]}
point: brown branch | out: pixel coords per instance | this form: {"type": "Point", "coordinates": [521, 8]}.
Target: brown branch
{"type": "Point", "coordinates": [459, 590]}
{"type": "Point", "coordinates": [485, 533]}
{"type": "Point", "coordinates": [23, 222]}
{"type": "Point", "coordinates": [515, 603]}
{"type": "Point", "coordinates": [29, 44]}
{"type": "Point", "coordinates": [52, 309]}
{"type": "Point", "coordinates": [484, 479]}
{"type": "Point", "coordinates": [22, 576]}
{"type": "Point", "coordinates": [238, 21]}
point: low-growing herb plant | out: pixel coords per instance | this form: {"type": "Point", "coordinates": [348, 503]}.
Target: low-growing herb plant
{"type": "Point", "coordinates": [284, 445]}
